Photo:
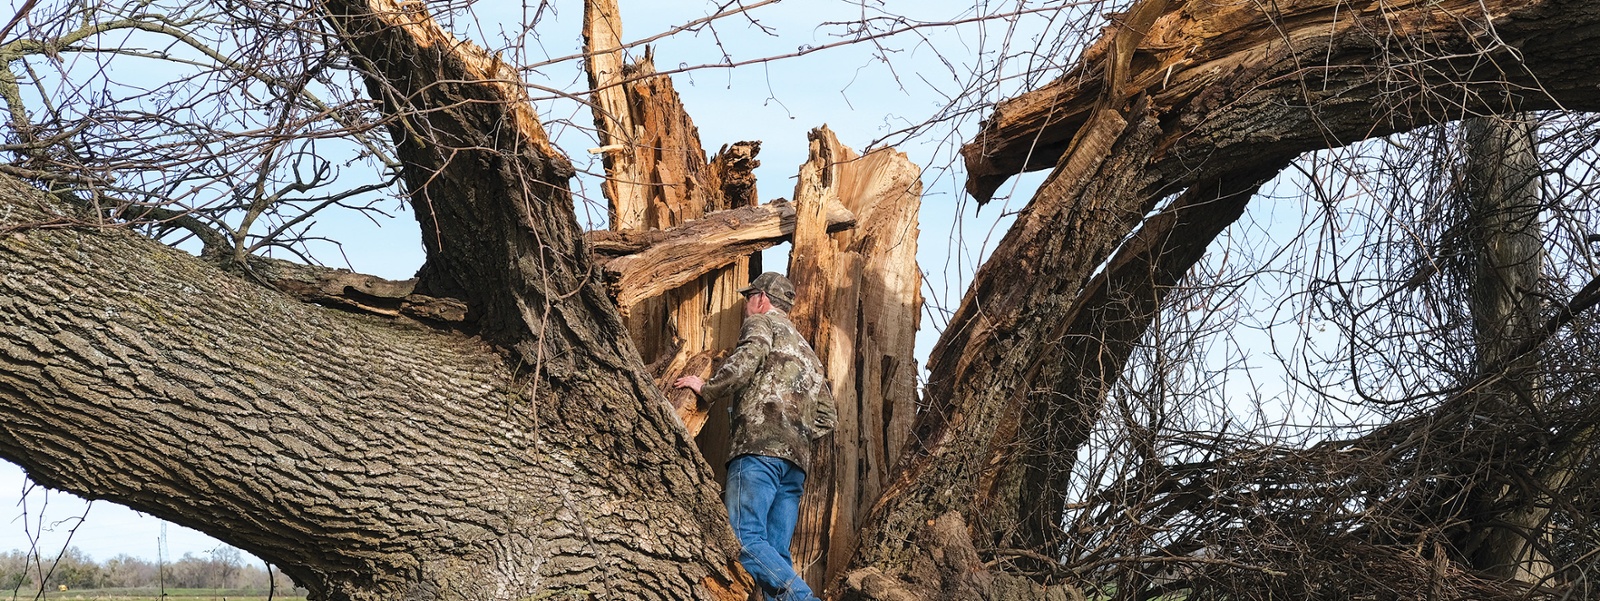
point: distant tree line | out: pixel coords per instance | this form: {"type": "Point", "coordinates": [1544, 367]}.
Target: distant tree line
{"type": "Point", "coordinates": [221, 568]}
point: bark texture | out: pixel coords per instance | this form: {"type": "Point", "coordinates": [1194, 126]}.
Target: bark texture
{"type": "Point", "coordinates": [557, 469]}
{"type": "Point", "coordinates": [859, 302]}
{"type": "Point", "coordinates": [1197, 100]}
{"type": "Point", "coordinates": [497, 218]}
{"type": "Point", "coordinates": [350, 291]}
{"type": "Point", "coordinates": [368, 458]}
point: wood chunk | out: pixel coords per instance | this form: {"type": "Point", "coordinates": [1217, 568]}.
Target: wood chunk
{"type": "Point", "coordinates": [641, 264]}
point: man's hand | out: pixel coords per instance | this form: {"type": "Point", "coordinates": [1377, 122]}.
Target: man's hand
{"type": "Point", "coordinates": [691, 382]}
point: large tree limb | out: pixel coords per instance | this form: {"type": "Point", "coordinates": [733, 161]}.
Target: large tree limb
{"type": "Point", "coordinates": [1205, 92]}
{"type": "Point", "coordinates": [637, 264]}
{"type": "Point", "coordinates": [1197, 56]}
{"type": "Point", "coordinates": [488, 188]}
{"type": "Point", "coordinates": [348, 450]}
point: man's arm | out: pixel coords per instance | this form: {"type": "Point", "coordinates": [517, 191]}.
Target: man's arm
{"type": "Point", "coordinates": [755, 340]}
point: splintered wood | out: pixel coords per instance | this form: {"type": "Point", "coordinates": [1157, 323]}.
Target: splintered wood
{"type": "Point", "coordinates": [658, 177]}
{"type": "Point", "coordinates": [643, 264]}
{"type": "Point", "coordinates": [683, 231]}
{"type": "Point", "coordinates": [859, 303]}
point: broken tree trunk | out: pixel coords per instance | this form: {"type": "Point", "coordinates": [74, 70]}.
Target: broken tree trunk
{"type": "Point", "coordinates": [859, 302]}
{"type": "Point", "coordinates": [657, 176]}
{"type": "Point", "coordinates": [1203, 100]}
{"type": "Point", "coordinates": [624, 186]}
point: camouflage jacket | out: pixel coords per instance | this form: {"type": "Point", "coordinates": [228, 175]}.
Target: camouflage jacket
{"type": "Point", "coordinates": [781, 399]}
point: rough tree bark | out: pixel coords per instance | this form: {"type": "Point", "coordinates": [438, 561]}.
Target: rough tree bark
{"type": "Point", "coordinates": [370, 460]}
{"type": "Point", "coordinates": [1199, 100]}
{"type": "Point", "coordinates": [367, 458]}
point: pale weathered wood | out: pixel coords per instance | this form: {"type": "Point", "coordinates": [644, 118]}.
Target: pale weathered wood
{"type": "Point", "coordinates": [658, 177]}
{"type": "Point", "coordinates": [690, 408]}
{"type": "Point", "coordinates": [624, 186]}
{"type": "Point", "coordinates": [641, 264]}
{"type": "Point", "coordinates": [813, 265]}
{"type": "Point", "coordinates": [858, 304]}
{"type": "Point", "coordinates": [884, 189]}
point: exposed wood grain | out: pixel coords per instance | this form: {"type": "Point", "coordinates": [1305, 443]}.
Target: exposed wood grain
{"type": "Point", "coordinates": [858, 303]}
{"type": "Point", "coordinates": [646, 263]}
{"type": "Point", "coordinates": [625, 184]}
{"type": "Point", "coordinates": [658, 176]}
{"type": "Point", "coordinates": [813, 267]}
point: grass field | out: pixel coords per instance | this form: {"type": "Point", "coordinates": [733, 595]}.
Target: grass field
{"type": "Point", "coordinates": [144, 594]}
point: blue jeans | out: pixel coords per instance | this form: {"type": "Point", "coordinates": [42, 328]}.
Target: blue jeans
{"type": "Point", "coordinates": [763, 498]}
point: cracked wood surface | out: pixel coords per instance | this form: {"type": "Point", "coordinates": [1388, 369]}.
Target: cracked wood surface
{"type": "Point", "coordinates": [651, 262]}
{"type": "Point", "coordinates": [859, 304]}
{"type": "Point", "coordinates": [658, 177]}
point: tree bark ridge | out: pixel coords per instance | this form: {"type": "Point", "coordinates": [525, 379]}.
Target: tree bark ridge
{"type": "Point", "coordinates": [347, 449]}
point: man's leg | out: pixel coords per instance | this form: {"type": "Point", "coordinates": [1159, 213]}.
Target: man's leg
{"type": "Point", "coordinates": [781, 521]}
{"type": "Point", "coordinates": [753, 484]}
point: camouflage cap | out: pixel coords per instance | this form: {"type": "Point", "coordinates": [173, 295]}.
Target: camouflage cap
{"type": "Point", "coordinates": [777, 288]}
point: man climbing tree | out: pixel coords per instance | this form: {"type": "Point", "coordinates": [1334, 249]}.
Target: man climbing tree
{"type": "Point", "coordinates": [489, 430]}
{"type": "Point", "coordinates": [781, 403]}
